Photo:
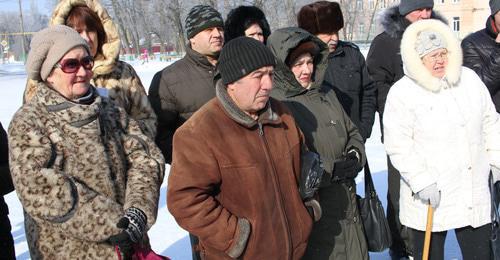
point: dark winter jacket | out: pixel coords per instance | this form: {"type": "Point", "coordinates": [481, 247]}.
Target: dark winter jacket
{"type": "Point", "coordinates": [482, 54]}
{"type": "Point", "coordinates": [76, 169]}
{"type": "Point", "coordinates": [234, 177]}
{"type": "Point", "coordinates": [348, 76]}
{"type": "Point", "coordinates": [118, 77]}
{"type": "Point", "coordinates": [6, 185]}
{"type": "Point", "coordinates": [384, 57]}
{"type": "Point", "coordinates": [329, 132]}
{"type": "Point", "coordinates": [178, 91]}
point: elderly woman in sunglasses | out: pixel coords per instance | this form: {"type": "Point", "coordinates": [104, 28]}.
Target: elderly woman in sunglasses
{"type": "Point", "coordinates": [86, 175]}
{"type": "Point", "coordinates": [442, 133]}
{"type": "Point", "coordinates": [117, 78]}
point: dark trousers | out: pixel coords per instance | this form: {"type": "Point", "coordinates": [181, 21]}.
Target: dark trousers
{"type": "Point", "coordinates": [6, 241]}
{"type": "Point", "coordinates": [195, 247]}
{"type": "Point", "coordinates": [401, 237]}
{"type": "Point", "coordinates": [474, 243]}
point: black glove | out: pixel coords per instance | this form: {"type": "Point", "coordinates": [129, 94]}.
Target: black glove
{"type": "Point", "coordinates": [347, 168]}
{"type": "Point", "coordinates": [133, 224]}
{"type": "Point", "coordinates": [311, 173]}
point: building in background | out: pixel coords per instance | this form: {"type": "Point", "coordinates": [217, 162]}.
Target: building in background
{"type": "Point", "coordinates": [362, 16]}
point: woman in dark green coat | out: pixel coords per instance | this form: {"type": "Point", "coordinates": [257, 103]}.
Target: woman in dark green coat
{"type": "Point", "coordinates": [329, 132]}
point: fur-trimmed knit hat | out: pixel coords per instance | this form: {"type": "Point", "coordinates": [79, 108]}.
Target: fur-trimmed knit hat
{"type": "Point", "coordinates": [304, 47]}
{"type": "Point", "coordinates": [407, 6]}
{"type": "Point", "coordinates": [321, 17]}
{"type": "Point", "coordinates": [494, 6]}
{"type": "Point", "coordinates": [241, 56]}
{"type": "Point", "coordinates": [242, 17]}
{"type": "Point", "coordinates": [202, 17]}
{"type": "Point", "coordinates": [48, 46]}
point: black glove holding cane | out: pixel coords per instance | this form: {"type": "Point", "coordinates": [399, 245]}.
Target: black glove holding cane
{"type": "Point", "coordinates": [133, 224]}
{"type": "Point", "coordinates": [310, 180]}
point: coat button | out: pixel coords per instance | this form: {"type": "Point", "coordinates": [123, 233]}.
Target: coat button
{"type": "Point", "coordinates": [355, 219]}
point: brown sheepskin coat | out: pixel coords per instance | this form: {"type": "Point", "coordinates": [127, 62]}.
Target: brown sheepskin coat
{"type": "Point", "coordinates": [76, 168]}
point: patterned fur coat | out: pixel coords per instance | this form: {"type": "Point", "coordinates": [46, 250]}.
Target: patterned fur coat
{"type": "Point", "coordinates": [120, 78]}
{"type": "Point", "coordinates": [76, 168]}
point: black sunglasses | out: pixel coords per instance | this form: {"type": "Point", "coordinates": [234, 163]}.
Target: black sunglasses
{"type": "Point", "coordinates": [73, 65]}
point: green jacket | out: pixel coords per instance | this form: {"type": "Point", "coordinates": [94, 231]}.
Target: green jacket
{"type": "Point", "coordinates": [329, 132]}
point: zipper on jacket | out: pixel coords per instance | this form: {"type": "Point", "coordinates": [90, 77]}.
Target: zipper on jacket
{"type": "Point", "coordinates": [276, 184]}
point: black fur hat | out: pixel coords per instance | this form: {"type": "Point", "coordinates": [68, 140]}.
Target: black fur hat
{"type": "Point", "coordinates": [321, 17]}
{"type": "Point", "coordinates": [242, 17]}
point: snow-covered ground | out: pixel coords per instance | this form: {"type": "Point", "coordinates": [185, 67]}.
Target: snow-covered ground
{"type": "Point", "coordinates": [167, 238]}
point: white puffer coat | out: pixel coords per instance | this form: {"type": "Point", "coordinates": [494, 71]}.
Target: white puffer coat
{"type": "Point", "coordinates": [443, 131]}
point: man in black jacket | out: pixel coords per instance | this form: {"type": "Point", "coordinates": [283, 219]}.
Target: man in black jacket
{"type": "Point", "coordinates": [6, 186]}
{"type": "Point", "coordinates": [179, 90]}
{"type": "Point", "coordinates": [346, 73]}
{"type": "Point", "coordinates": [482, 53]}
{"type": "Point", "coordinates": [385, 68]}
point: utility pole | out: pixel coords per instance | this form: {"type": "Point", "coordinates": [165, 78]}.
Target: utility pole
{"type": "Point", "coordinates": [22, 32]}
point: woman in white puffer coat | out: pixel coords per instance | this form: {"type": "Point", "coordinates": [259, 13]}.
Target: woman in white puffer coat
{"type": "Point", "coordinates": [443, 134]}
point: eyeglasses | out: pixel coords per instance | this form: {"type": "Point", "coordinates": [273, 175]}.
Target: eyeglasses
{"type": "Point", "coordinates": [73, 65]}
{"type": "Point", "coordinates": [437, 56]}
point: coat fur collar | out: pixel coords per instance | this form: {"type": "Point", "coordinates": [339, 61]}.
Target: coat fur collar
{"type": "Point", "coordinates": [104, 63]}
{"type": "Point", "coordinates": [413, 66]}
{"type": "Point", "coordinates": [395, 24]}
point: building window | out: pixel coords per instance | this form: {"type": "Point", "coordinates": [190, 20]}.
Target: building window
{"type": "Point", "coordinates": [382, 4]}
{"type": "Point", "coordinates": [456, 24]}
{"type": "Point", "coordinates": [371, 4]}
{"type": "Point", "coordinates": [441, 1]}
{"type": "Point", "coordinates": [456, 1]}
{"type": "Point", "coordinates": [361, 31]}
{"type": "Point", "coordinates": [359, 4]}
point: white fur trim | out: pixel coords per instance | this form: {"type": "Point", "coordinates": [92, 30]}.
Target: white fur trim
{"type": "Point", "coordinates": [413, 66]}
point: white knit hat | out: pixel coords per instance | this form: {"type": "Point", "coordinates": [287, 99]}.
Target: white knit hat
{"type": "Point", "coordinates": [428, 41]}
{"type": "Point", "coordinates": [48, 46]}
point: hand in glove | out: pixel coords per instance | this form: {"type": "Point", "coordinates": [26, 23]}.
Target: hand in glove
{"type": "Point", "coordinates": [431, 195]}
{"type": "Point", "coordinates": [310, 174]}
{"type": "Point", "coordinates": [133, 224]}
{"type": "Point", "coordinates": [346, 168]}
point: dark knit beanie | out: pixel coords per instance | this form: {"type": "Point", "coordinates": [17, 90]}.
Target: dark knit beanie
{"type": "Point", "coordinates": [305, 47]}
{"type": "Point", "coordinates": [241, 56]}
{"type": "Point", "coordinates": [494, 6]}
{"type": "Point", "coordinates": [321, 17]}
{"type": "Point", "coordinates": [202, 17]}
{"type": "Point", "coordinates": [407, 6]}
{"type": "Point", "coordinates": [242, 17]}
{"type": "Point", "coordinates": [48, 46]}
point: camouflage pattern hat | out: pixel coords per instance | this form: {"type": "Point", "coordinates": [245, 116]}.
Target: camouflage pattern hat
{"type": "Point", "coordinates": [202, 17]}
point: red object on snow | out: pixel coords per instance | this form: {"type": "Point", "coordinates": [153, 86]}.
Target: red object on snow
{"type": "Point", "coordinates": [143, 254]}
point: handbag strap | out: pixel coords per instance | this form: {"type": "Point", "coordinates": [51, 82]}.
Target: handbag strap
{"type": "Point", "coordinates": [370, 191]}
{"type": "Point", "coordinates": [495, 218]}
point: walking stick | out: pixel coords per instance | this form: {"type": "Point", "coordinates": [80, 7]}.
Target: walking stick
{"type": "Point", "coordinates": [428, 233]}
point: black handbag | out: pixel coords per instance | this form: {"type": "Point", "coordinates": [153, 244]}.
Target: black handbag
{"type": "Point", "coordinates": [378, 235]}
{"type": "Point", "coordinates": [495, 219]}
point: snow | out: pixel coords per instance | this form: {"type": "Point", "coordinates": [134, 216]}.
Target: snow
{"type": "Point", "coordinates": [167, 238]}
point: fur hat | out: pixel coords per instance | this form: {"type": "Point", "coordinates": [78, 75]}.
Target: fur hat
{"type": "Point", "coordinates": [48, 46]}
{"type": "Point", "coordinates": [240, 18]}
{"type": "Point", "coordinates": [494, 6]}
{"type": "Point", "coordinates": [321, 17]}
{"type": "Point", "coordinates": [202, 17]}
{"type": "Point", "coordinates": [304, 47]}
{"type": "Point", "coordinates": [241, 56]}
{"type": "Point", "coordinates": [407, 6]}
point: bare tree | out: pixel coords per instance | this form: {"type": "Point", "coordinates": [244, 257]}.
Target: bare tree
{"type": "Point", "coordinates": [175, 11]}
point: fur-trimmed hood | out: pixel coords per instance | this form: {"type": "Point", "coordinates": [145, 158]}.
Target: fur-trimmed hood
{"type": "Point", "coordinates": [234, 25]}
{"type": "Point", "coordinates": [104, 63]}
{"type": "Point", "coordinates": [413, 66]}
{"type": "Point", "coordinates": [395, 24]}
